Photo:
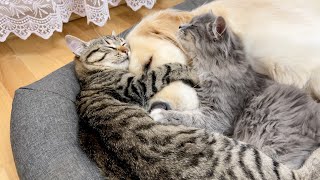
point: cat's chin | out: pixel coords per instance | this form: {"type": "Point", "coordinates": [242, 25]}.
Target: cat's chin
{"type": "Point", "coordinates": [124, 64]}
{"type": "Point", "coordinates": [189, 50]}
{"type": "Point", "coordinates": [126, 60]}
{"type": "Point", "coordinates": [184, 43]}
{"type": "Point", "coordinates": [121, 67]}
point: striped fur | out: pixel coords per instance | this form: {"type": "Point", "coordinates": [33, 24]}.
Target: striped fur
{"type": "Point", "coordinates": [127, 144]}
{"type": "Point", "coordinates": [126, 87]}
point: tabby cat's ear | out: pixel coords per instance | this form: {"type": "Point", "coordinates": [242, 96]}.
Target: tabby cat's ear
{"type": "Point", "coordinates": [114, 33]}
{"type": "Point", "coordinates": [75, 44]}
{"type": "Point", "coordinates": [220, 25]}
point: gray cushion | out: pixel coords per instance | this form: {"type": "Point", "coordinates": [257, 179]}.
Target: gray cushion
{"type": "Point", "coordinates": [44, 126]}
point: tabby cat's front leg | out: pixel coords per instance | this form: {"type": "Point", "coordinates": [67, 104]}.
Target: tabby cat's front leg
{"type": "Point", "coordinates": [156, 79]}
{"type": "Point", "coordinates": [194, 118]}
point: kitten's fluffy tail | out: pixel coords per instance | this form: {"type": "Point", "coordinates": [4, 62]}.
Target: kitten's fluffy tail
{"type": "Point", "coordinates": [311, 168]}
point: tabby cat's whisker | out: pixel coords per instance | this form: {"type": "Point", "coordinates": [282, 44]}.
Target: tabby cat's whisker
{"type": "Point", "coordinates": [100, 36]}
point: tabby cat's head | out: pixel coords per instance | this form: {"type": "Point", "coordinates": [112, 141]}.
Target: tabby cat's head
{"type": "Point", "coordinates": [106, 52]}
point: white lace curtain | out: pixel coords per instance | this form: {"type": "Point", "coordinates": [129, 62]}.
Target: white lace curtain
{"type": "Point", "coordinates": [43, 17]}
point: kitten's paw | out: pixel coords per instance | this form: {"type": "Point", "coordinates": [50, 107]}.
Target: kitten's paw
{"type": "Point", "coordinates": [165, 116]}
{"type": "Point", "coordinates": [157, 115]}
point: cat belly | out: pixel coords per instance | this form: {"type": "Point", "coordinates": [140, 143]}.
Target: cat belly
{"type": "Point", "coordinates": [283, 123]}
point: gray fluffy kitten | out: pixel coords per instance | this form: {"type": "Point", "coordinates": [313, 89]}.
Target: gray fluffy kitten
{"type": "Point", "coordinates": [280, 120]}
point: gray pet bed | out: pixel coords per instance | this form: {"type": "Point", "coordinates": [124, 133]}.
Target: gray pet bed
{"type": "Point", "coordinates": [44, 125]}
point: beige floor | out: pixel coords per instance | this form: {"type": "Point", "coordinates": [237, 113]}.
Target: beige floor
{"type": "Point", "coordinates": [25, 61]}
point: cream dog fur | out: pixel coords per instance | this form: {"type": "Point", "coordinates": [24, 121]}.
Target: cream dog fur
{"type": "Point", "coordinates": [281, 38]}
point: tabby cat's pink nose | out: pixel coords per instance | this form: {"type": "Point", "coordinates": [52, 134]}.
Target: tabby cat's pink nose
{"type": "Point", "coordinates": [123, 49]}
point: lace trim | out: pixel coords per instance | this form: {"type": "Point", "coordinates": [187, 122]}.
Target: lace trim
{"type": "Point", "coordinates": [24, 27]}
{"type": "Point", "coordinates": [137, 4]}
{"type": "Point", "coordinates": [98, 15]}
{"type": "Point", "coordinates": [43, 17]}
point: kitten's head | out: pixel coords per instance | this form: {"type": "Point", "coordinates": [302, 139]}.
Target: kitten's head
{"type": "Point", "coordinates": [106, 52]}
{"type": "Point", "coordinates": [208, 36]}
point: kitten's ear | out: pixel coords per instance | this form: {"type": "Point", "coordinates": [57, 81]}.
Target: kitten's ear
{"type": "Point", "coordinates": [114, 33]}
{"type": "Point", "coordinates": [220, 25]}
{"type": "Point", "coordinates": [75, 44]}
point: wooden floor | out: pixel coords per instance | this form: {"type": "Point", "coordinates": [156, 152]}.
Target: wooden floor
{"type": "Point", "coordinates": [25, 61]}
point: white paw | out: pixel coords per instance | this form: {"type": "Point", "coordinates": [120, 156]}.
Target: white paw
{"type": "Point", "coordinates": [157, 115]}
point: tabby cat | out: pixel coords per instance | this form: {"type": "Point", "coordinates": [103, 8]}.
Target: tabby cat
{"type": "Point", "coordinates": [280, 120]}
{"type": "Point", "coordinates": [127, 144]}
